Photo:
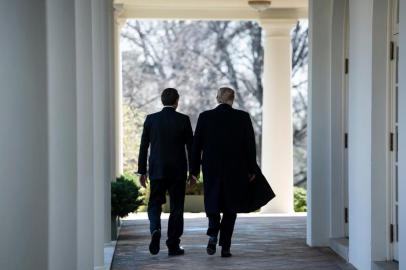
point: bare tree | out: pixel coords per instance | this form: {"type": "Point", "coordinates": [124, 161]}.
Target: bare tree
{"type": "Point", "coordinates": [199, 57]}
{"type": "Point", "coordinates": [299, 93]}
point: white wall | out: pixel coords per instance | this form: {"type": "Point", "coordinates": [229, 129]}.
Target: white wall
{"type": "Point", "coordinates": [319, 144]}
{"type": "Point", "coordinates": [85, 187]}
{"type": "Point", "coordinates": [23, 136]}
{"type": "Point", "coordinates": [360, 102]}
{"type": "Point", "coordinates": [62, 134]}
{"type": "Point", "coordinates": [402, 136]}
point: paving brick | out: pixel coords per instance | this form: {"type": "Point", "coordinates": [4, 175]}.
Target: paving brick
{"type": "Point", "coordinates": [258, 243]}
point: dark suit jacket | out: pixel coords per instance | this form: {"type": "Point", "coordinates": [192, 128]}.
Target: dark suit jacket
{"type": "Point", "coordinates": [167, 132]}
{"type": "Point", "coordinates": [224, 143]}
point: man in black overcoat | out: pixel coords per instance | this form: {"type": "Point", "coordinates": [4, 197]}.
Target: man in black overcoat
{"type": "Point", "coordinates": [169, 136]}
{"type": "Point", "coordinates": [224, 144]}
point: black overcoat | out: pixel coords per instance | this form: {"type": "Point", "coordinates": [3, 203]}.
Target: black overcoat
{"type": "Point", "coordinates": [167, 133]}
{"type": "Point", "coordinates": [259, 192]}
{"type": "Point", "coordinates": [224, 144]}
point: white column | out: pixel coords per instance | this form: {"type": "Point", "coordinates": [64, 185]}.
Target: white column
{"type": "Point", "coordinates": [85, 188]}
{"type": "Point", "coordinates": [23, 136]}
{"type": "Point", "coordinates": [277, 142]}
{"type": "Point", "coordinates": [379, 134]}
{"type": "Point", "coordinates": [102, 18]}
{"type": "Point", "coordinates": [108, 22]}
{"type": "Point", "coordinates": [402, 135]}
{"type": "Point", "coordinates": [360, 132]}
{"type": "Point", "coordinates": [118, 91]}
{"type": "Point", "coordinates": [319, 123]}
{"type": "Point", "coordinates": [61, 55]}
{"type": "Point", "coordinates": [100, 137]}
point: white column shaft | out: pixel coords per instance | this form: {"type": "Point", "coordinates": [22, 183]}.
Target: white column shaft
{"type": "Point", "coordinates": [85, 188]}
{"type": "Point", "coordinates": [402, 136]}
{"type": "Point", "coordinates": [62, 135]}
{"type": "Point", "coordinates": [360, 132]}
{"type": "Point", "coordinates": [23, 136]}
{"type": "Point", "coordinates": [277, 144]}
{"type": "Point", "coordinates": [319, 122]}
{"type": "Point", "coordinates": [118, 103]}
{"type": "Point", "coordinates": [100, 135]}
{"type": "Point", "coordinates": [108, 23]}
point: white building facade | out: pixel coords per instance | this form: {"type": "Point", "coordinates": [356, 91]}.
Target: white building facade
{"type": "Point", "coordinates": [60, 135]}
{"type": "Point", "coordinates": [357, 129]}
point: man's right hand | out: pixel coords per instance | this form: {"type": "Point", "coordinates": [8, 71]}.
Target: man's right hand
{"type": "Point", "coordinates": [143, 180]}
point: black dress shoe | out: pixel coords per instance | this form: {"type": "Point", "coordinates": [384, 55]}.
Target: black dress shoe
{"type": "Point", "coordinates": [176, 251]}
{"type": "Point", "coordinates": [225, 253]}
{"type": "Point", "coordinates": [211, 246]}
{"type": "Point", "coordinates": [155, 239]}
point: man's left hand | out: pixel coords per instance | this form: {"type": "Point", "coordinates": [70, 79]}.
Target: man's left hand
{"type": "Point", "coordinates": [192, 180]}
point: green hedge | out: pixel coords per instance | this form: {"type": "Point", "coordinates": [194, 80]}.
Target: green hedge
{"type": "Point", "coordinates": [125, 196]}
{"type": "Point", "coordinates": [300, 196]}
{"type": "Point", "coordinates": [300, 199]}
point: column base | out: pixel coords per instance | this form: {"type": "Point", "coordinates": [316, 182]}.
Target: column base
{"type": "Point", "coordinates": [277, 209]}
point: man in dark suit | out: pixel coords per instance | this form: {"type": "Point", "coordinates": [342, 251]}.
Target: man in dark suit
{"type": "Point", "coordinates": [224, 144]}
{"type": "Point", "coordinates": [167, 133]}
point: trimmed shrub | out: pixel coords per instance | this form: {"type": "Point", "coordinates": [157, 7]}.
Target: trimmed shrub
{"type": "Point", "coordinates": [125, 196]}
{"type": "Point", "coordinates": [300, 199]}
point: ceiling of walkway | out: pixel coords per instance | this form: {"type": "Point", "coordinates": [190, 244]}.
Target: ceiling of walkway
{"type": "Point", "coordinates": [209, 9]}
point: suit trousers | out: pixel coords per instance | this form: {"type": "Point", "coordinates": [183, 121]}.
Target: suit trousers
{"type": "Point", "coordinates": [223, 225]}
{"type": "Point", "coordinates": [176, 190]}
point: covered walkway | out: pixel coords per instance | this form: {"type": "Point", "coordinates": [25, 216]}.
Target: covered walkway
{"type": "Point", "coordinates": [259, 242]}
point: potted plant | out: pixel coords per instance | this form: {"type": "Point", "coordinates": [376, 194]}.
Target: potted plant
{"type": "Point", "coordinates": [125, 199]}
{"type": "Point", "coordinates": [194, 199]}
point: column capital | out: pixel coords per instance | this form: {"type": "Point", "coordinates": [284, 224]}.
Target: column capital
{"type": "Point", "coordinates": [119, 19]}
{"type": "Point", "coordinates": [277, 27]}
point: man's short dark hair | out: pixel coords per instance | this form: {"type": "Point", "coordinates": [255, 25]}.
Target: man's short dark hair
{"type": "Point", "coordinates": [169, 96]}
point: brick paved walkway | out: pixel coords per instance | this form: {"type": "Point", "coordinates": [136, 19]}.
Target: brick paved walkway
{"type": "Point", "coordinates": [259, 243]}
